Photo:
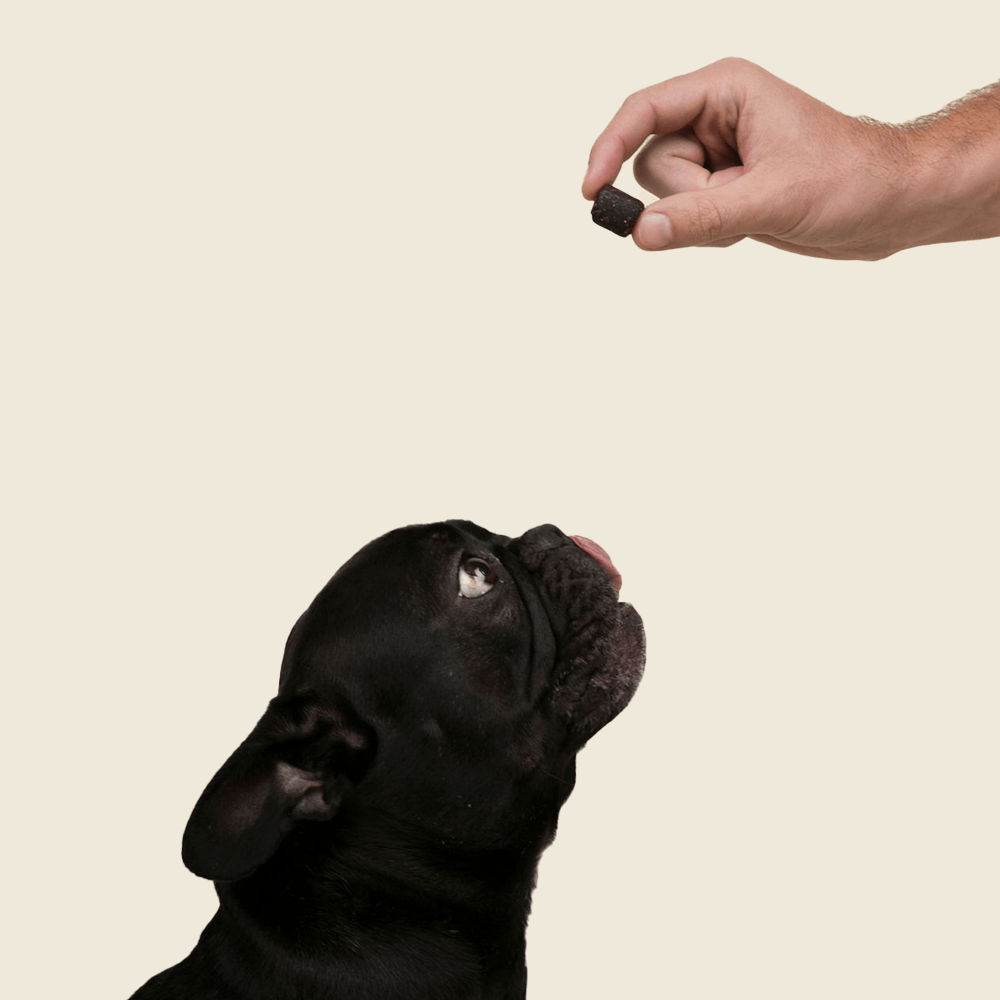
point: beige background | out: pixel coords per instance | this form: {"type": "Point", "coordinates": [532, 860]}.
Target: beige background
{"type": "Point", "coordinates": [280, 277]}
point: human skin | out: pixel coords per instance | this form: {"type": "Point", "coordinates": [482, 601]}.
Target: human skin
{"type": "Point", "coordinates": [736, 152]}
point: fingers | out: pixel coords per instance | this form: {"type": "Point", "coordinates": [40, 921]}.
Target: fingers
{"type": "Point", "coordinates": [714, 95]}
{"type": "Point", "coordinates": [659, 110]}
{"type": "Point", "coordinates": [712, 216]}
{"type": "Point", "coordinates": [670, 164]}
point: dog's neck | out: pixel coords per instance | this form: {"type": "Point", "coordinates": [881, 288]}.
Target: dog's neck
{"type": "Point", "coordinates": [452, 924]}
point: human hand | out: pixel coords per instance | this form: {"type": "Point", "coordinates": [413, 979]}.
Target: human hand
{"type": "Point", "coordinates": [737, 152]}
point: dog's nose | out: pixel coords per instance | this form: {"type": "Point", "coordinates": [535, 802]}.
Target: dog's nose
{"type": "Point", "coordinates": [545, 536]}
{"type": "Point", "coordinates": [596, 552]}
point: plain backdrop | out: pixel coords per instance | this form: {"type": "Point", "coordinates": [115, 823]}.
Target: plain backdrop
{"type": "Point", "coordinates": [277, 278]}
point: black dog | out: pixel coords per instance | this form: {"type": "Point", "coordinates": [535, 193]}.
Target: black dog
{"type": "Point", "coordinates": [376, 836]}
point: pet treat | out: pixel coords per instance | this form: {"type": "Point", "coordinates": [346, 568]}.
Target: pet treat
{"type": "Point", "coordinates": [616, 210]}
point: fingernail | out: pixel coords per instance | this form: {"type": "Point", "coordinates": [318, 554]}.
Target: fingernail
{"type": "Point", "coordinates": [653, 231]}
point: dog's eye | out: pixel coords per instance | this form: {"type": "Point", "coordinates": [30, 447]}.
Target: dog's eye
{"type": "Point", "coordinates": [475, 578]}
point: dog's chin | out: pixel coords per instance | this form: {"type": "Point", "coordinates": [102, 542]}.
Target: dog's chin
{"type": "Point", "coordinates": [606, 665]}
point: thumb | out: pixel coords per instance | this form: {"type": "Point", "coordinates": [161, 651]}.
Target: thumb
{"type": "Point", "coordinates": [713, 215]}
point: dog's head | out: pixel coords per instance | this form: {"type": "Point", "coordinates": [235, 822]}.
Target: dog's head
{"type": "Point", "coordinates": [442, 682]}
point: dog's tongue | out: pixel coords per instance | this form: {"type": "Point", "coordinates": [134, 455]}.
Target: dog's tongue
{"type": "Point", "coordinates": [593, 549]}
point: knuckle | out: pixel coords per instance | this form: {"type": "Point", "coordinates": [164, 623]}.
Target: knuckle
{"type": "Point", "coordinates": [636, 100]}
{"type": "Point", "coordinates": [708, 220]}
{"type": "Point", "coordinates": [736, 66]}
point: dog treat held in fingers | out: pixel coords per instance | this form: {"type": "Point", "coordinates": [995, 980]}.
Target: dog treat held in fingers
{"type": "Point", "coordinates": [616, 210]}
{"type": "Point", "coordinates": [377, 835]}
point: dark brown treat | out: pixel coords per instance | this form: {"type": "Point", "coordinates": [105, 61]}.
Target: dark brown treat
{"type": "Point", "coordinates": [616, 210]}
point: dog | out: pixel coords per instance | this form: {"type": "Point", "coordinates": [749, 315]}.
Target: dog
{"type": "Point", "coordinates": [377, 835]}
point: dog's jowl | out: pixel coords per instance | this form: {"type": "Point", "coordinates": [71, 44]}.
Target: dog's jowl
{"type": "Point", "coordinates": [376, 836]}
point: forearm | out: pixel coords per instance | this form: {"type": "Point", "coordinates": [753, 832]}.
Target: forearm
{"type": "Point", "coordinates": [952, 184]}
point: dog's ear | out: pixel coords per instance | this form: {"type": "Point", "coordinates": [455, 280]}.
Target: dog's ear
{"type": "Point", "coordinates": [301, 759]}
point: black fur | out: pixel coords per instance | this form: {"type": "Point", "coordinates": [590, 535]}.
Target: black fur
{"type": "Point", "coordinates": [376, 836]}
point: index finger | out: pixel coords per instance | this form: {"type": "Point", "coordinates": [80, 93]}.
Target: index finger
{"type": "Point", "coordinates": [658, 110]}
